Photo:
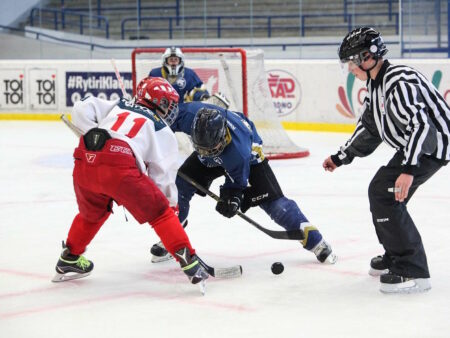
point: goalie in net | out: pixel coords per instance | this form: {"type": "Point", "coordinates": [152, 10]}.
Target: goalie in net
{"type": "Point", "coordinates": [183, 79]}
{"type": "Point", "coordinates": [241, 77]}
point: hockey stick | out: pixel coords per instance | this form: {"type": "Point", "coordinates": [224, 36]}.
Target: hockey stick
{"type": "Point", "coordinates": [119, 78]}
{"type": "Point", "coordinates": [71, 126]}
{"type": "Point", "coordinates": [231, 272]}
{"type": "Point", "coordinates": [291, 234]}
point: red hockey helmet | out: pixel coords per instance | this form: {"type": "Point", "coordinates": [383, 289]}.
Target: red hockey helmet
{"type": "Point", "coordinates": [156, 93]}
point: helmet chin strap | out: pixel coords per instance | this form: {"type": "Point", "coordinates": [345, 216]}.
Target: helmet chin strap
{"type": "Point", "coordinates": [368, 70]}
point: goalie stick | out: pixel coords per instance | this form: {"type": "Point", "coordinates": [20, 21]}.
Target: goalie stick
{"type": "Point", "coordinates": [291, 234]}
{"type": "Point", "coordinates": [230, 272]}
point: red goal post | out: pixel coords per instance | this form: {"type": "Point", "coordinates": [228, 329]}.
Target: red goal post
{"type": "Point", "coordinates": [240, 75]}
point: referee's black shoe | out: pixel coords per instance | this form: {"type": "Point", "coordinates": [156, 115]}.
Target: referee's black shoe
{"type": "Point", "coordinates": [379, 265]}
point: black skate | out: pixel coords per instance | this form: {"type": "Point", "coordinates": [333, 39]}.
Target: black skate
{"type": "Point", "coordinates": [393, 283]}
{"type": "Point", "coordinates": [379, 265]}
{"type": "Point", "coordinates": [71, 266]}
{"type": "Point", "coordinates": [159, 253]}
{"type": "Point", "coordinates": [192, 268]}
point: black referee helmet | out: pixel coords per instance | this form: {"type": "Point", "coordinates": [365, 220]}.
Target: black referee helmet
{"type": "Point", "coordinates": [360, 44]}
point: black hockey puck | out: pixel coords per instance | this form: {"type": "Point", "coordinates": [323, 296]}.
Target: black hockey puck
{"type": "Point", "coordinates": [277, 268]}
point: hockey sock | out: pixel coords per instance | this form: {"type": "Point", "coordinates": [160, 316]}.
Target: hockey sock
{"type": "Point", "coordinates": [171, 232]}
{"type": "Point", "coordinates": [81, 233]}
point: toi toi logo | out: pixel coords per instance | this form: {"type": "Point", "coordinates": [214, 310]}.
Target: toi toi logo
{"type": "Point", "coordinates": [285, 91]}
{"type": "Point", "coordinates": [13, 90]}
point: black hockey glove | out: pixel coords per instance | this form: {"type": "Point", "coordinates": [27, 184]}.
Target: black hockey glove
{"type": "Point", "coordinates": [230, 201]}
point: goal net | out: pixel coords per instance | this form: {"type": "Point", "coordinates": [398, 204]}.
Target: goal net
{"type": "Point", "coordinates": [240, 75]}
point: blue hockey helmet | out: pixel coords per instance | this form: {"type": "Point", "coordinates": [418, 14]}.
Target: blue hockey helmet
{"type": "Point", "coordinates": [209, 131]}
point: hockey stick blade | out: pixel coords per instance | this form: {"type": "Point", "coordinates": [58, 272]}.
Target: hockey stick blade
{"type": "Point", "coordinates": [230, 272]}
{"type": "Point", "coordinates": [292, 234]}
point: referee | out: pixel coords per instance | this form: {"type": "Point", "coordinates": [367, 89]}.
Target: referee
{"type": "Point", "coordinates": [403, 109]}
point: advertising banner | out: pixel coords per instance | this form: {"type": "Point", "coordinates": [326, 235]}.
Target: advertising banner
{"type": "Point", "coordinates": [42, 93]}
{"type": "Point", "coordinates": [104, 85]}
{"type": "Point", "coordinates": [310, 91]}
{"type": "Point", "coordinates": [12, 94]}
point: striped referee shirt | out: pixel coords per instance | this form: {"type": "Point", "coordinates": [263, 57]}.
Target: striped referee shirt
{"type": "Point", "coordinates": [405, 110]}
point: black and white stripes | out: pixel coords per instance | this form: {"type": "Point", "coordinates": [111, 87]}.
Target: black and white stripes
{"type": "Point", "coordinates": [403, 109]}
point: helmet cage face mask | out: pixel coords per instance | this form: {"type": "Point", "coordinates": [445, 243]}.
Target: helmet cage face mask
{"type": "Point", "coordinates": [209, 133]}
{"type": "Point", "coordinates": [173, 70]}
{"type": "Point", "coordinates": [167, 110]}
{"type": "Point", "coordinates": [211, 152]}
{"type": "Point", "coordinates": [158, 94]}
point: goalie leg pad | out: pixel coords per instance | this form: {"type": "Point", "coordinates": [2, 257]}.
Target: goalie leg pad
{"type": "Point", "coordinates": [285, 212]}
{"type": "Point", "coordinates": [263, 187]}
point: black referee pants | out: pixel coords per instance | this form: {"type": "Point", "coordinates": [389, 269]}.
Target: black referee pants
{"type": "Point", "coordinates": [394, 226]}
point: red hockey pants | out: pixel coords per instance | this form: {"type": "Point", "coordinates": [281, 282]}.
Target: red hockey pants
{"type": "Point", "coordinates": [99, 177]}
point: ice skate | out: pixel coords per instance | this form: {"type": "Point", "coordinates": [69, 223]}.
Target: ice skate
{"type": "Point", "coordinates": [393, 283]}
{"type": "Point", "coordinates": [324, 253]}
{"type": "Point", "coordinates": [71, 266]}
{"type": "Point", "coordinates": [159, 253]}
{"type": "Point", "coordinates": [315, 243]}
{"type": "Point", "coordinates": [192, 268]}
{"type": "Point", "coordinates": [378, 266]}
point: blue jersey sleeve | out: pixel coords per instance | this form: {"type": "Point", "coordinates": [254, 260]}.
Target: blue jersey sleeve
{"type": "Point", "coordinates": [195, 91]}
{"type": "Point", "coordinates": [155, 72]}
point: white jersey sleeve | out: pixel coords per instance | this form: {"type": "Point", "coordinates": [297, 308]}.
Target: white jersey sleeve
{"type": "Point", "coordinates": [152, 141]}
{"type": "Point", "coordinates": [87, 113]}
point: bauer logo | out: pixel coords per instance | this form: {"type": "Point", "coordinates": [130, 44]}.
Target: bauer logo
{"type": "Point", "coordinates": [42, 84]}
{"type": "Point", "coordinates": [285, 90]}
{"type": "Point", "coordinates": [103, 85]}
{"type": "Point", "coordinates": [12, 89]}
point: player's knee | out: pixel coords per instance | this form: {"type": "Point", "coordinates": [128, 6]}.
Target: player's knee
{"type": "Point", "coordinates": [285, 212]}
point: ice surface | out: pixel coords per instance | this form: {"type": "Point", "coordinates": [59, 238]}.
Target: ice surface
{"type": "Point", "coordinates": [128, 296]}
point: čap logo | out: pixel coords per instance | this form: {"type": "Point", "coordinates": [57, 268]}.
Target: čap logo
{"type": "Point", "coordinates": [285, 90]}
{"type": "Point", "coordinates": [346, 107]}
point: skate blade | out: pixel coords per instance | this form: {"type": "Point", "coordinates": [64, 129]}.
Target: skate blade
{"type": "Point", "coordinates": [60, 277]}
{"type": "Point", "coordinates": [159, 259]}
{"type": "Point", "coordinates": [413, 286]}
{"type": "Point", "coordinates": [202, 287]}
{"type": "Point", "coordinates": [331, 259]}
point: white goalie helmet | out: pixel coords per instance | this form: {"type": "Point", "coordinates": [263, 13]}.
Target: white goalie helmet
{"type": "Point", "coordinates": [173, 70]}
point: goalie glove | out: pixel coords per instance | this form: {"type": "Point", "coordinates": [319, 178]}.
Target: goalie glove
{"type": "Point", "coordinates": [219, 99]}
{"type": "Point", "coordinates": [230, 202]}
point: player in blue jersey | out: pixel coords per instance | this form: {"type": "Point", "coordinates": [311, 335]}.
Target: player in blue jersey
{"type": "Point", "coordinates": [227, 144]}
{"type": "Point", "coordinates": [185, 81]}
